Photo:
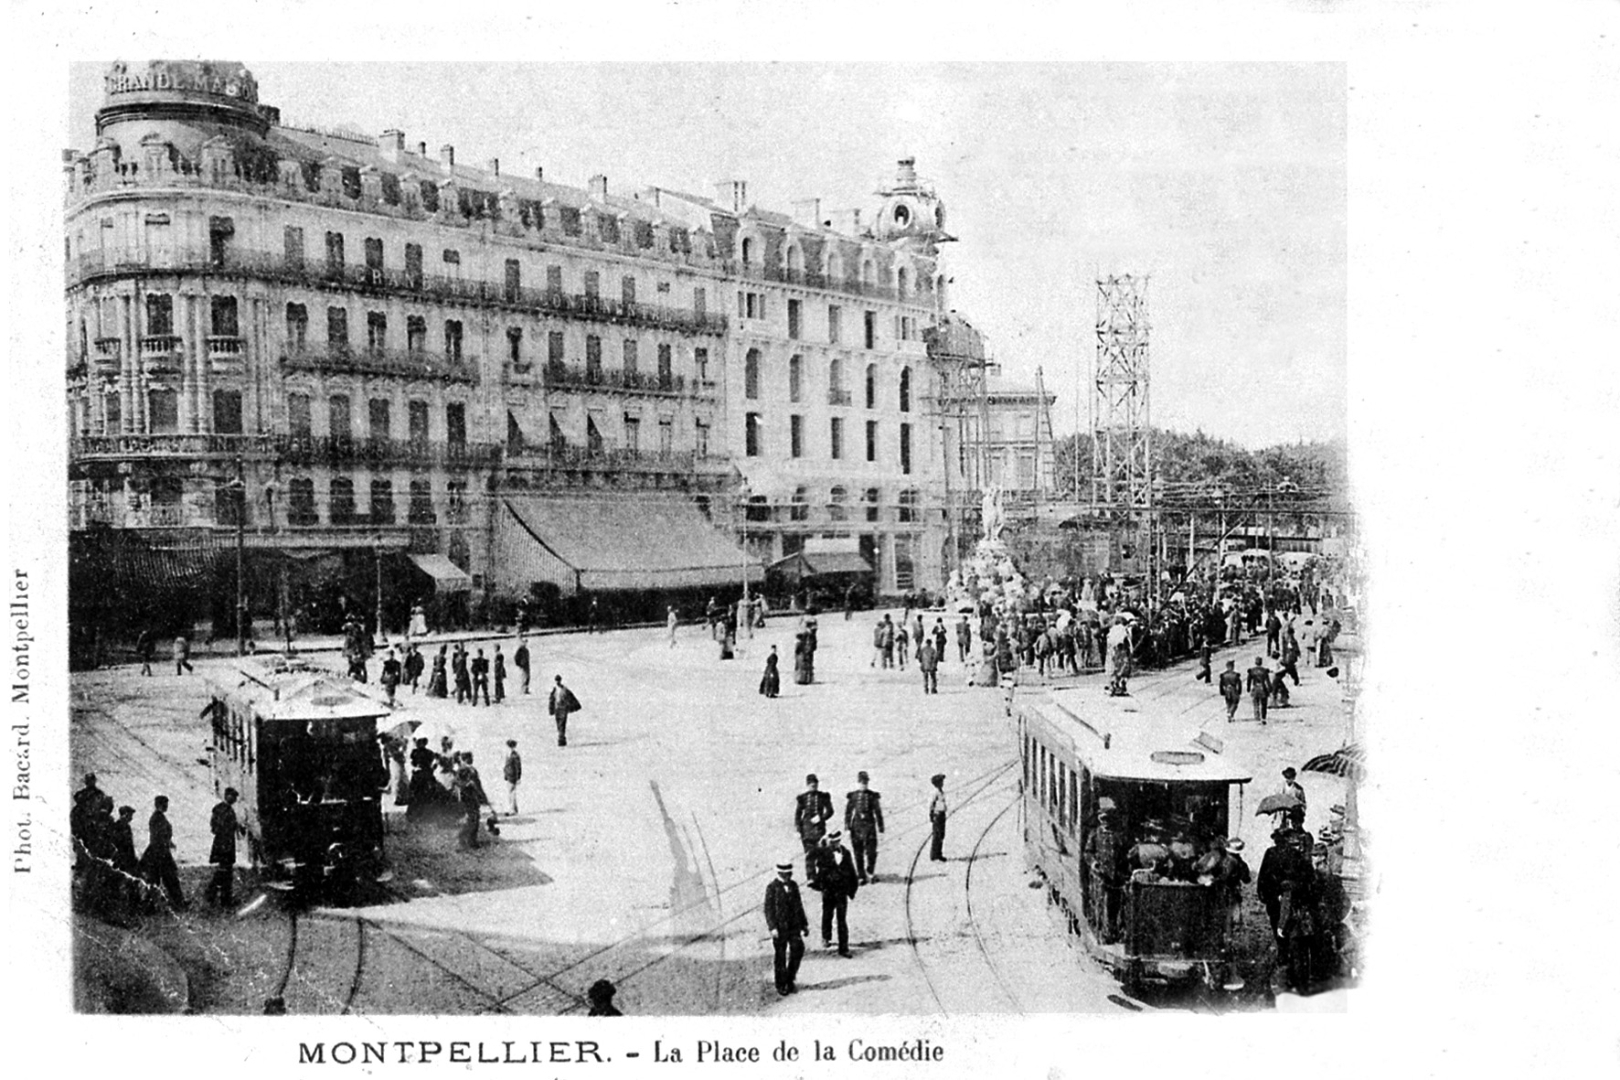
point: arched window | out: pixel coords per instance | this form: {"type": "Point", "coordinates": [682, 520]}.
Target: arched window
{"type": "Point", "coordinates": [795, 378]}
{"type": "Point", "coordinates": [874, 502]}
{"type": "Point", "coordinates": [868, 272]}
{"type": "Point", "coordinates": [905, 390]}
{"type": "Point", "coordinates": [901, 281]}
{"type": "Point", "coordinates": [836, 393]}
{"type": "Point", "coordinates": [838, 504]}
{"type": "Point", "coordinates": [749, 250]}
{"type": "Point", "coordinates": [340, 509]}
{"type": "Point", "coordinates": [800, 510]}
{"type": "Point", "coordinates": [835, 265]}
{"type": "Point", "coordinates": [871, 386]}
{"type": "Point", "coordinates": [795, 259]}
{"type": "Point", "coordinates": [751, 375]}
{"type": "Point", "coordinates": [301, 501]}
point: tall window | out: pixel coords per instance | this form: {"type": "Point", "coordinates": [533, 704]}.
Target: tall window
{"type": "Point", "coordinates": [382, 502]}
{"type": "Point", "coordinates": [374, 254]}
{"type": "Point", "coordinates": [905, 448]}
{"type": "Point", "coordinates": [416, 421]}
{"type": "Point", "coordinates": [413, 265]}
{"type": "Point", "coordinates": [700, 301]}
{"type": "Point", "coordinates": [834, 318]}
{"type": "Point", "coordinates": [297, 328]}
{"type": "Point", "coordinates": [334, 254]}
{"type": "Point", "coordinates": [452, 340]}
{"type": "Point", "coordinates": [554, 347]}
{"type": "Point", "coordinates": [836, 394]}
{"type": "Point", "coordinates": [799, 508]}
{"type": "Point", "coordinates": [514, 347]}
{"type": "Point", "coordinates": [838, 504]}
{"type": "Point", "coordinates": [554, 282]}
{"type": "Point", "coordinates": [379, 418]}
{"type": "Point", "coordinates": [455, 501]}
{"type": "Point", "coordinates": [753, 435]}
{"type": "Point", "coordinates": [162, 412]}
{"type": "Point", "coordinates": [751, 375]}
{"type": "Point", "coordinates": [227, 412]}
{"type": "Point", "coordinates": [222, 316]}
{"type": "Point", "coordinates": [338, 424]}
{"type": "Point", "coordinates": [871, 440]}
{"type": "Point", "coordinates": [292, 246]}
{"type": "Point", "coordinates": [415, 334]}
{"type": "Point", "coordinates": [700, 364]}
{"type": "Point", "coordinates": [159, 314]}
{"type": "Point", "coordinates": [871, 386]}
{"type": "Point", "coordinates": [905, 389]}
{"type": "Point", "coordinates": [340, 505]}
{"type": "Point", "coordinates": [795, 435]}
{"type": "Point", "coordinates": [301, 501]}
{"type": "Point", "coordinates": [871, 329]}
{"type": "Point", "coordinates": [298, 414]}
{"type": "Point", "coordinates": [594, 442]}
{"type": "Point", "coordinates": [630, 361]}
{"type": "Point", "coordinates": [455, 424]}
{"type": "Point", "coordinates": [513, 282]}
{"type": "Point", "coordinates": [700, 438]}
{"type": "Point", "coordinates": [632, 433]}
{"type": "Point", "coordinates": [376, 331]}
{"type": "Point", "coordinates": [220, 231]}
{"type": "Point", "coordinates": [593, 285]}
{"type": "Point", "coordinates": [666, 436]}
{"type": "Point", "coordinates": [836, 438]}
{"type": "Point", "coordinates": [593, 358]}
{"type": "Point", "coordinates": [666, 368]}
{"type": "Point", "coordinates": [421, 507]}
{"type": "Point", "coordinates": [337, 329]}
{"type": "Point", "coordinates": [794, 318]}
{"type": "Point", "coordinates": [627, 290]}
{"type": "Point", "coordinates": [908, 506]}
{"type": "Point", "coordinates": [796, 379]}
{"type": "Point", "coordinates": [873, 502]}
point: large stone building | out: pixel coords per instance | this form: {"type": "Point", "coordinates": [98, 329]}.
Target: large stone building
{"type": "Point", "coordinates": [398, 368]}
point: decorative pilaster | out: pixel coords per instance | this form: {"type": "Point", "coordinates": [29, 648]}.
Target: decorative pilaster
{"type": "Point", "coordinates": [129, 343]}
{"type": "Point", "coordinates": [187, 419]}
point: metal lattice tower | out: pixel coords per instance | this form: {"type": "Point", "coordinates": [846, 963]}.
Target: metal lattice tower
{"type": "Point", "coordinates": [1121, 438]}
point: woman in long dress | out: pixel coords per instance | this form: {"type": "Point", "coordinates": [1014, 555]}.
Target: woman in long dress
{"type": "Point", "coordinates": [439, 683]}
{"type": "Point", "coordinates": [804, 659]}
{"type": "Point", "coordinates": [770, 684]}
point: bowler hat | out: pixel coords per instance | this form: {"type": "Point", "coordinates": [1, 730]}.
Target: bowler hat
{"type": "Point", "coordinates": [862, 777]}
{"type": "Point", "coordinates": [810, 778]}
{"type": "Point", "coordinates": [937, 779]}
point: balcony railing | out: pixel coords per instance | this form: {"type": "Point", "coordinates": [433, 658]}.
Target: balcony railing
{"type": "Point", "coordinates": [616, 459]}
{"type": "Point", "coordinates": [339, 450]}
{"type": "Point", "coordinates": [175, 445]}
{"type": "Point", "coordinates": [108, 348]}
{"type": "Point", "coordinates": [277, 267]}
{"type": "Point", "coordinates": [224, 345]}
{"type": "Point", "coordinates": [391, 363]}
{"type": "Point", "coordinates": [815, 279]}
{"type": "Point", "coordinates": [159, 344]}
{"type": "Point", "coordinates": [569, 376]}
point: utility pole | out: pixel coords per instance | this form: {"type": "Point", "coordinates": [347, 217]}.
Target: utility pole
{"type": "Point", "coordinates": [376, 551]}
{"type": "Point", "coordinates": [241, 544]}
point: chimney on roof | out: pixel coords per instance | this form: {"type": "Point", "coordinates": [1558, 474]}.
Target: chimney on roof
{"type": "Point", "coordinates": [447, 156]}
{"type": "Point", "coordinates": [731, 195]}
{"type": "Point", "coordinates": [421, 149]}
{"type": "Point", "coordinates": [494, 165]}
{"type": "Point", "coordinates": [391, 143]}
{"type": "Point", "coordinates": [598, 186]}
{"type": "Point", "coordinates": [540, 174]}
{"type": "Point", "coordinates": [807, 212]}
{"type": "Point", "coordinates": [907, 174]}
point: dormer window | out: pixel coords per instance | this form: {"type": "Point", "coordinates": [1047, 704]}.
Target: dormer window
{"type": "Point", "coordinates": [902, 216]}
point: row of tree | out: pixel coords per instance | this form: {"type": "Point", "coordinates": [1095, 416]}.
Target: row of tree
{"type": "Point", "coordinates": [1204, 463]}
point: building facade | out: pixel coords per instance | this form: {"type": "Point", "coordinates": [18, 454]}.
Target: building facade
{"type": "Point", "coordinates": [361, 353]}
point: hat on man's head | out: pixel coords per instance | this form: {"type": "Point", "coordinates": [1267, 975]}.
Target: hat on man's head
{"type": "Point", "coordinates": [511, 742]}
{"type": "Point", "coordinates": [861, 777]}
{"type": "Point", "coordinates": [810, 778]}
{"type": "Point", "coordinates": [835, 836]}
{"type": "Point", "coordinates": [1289, 772]}
{"type": "Point", "coordinates": [601, 990]}
{"type": "Point", "coordinates": [784, 867]}
{"type": "Point", "coordinates": [937, 779]}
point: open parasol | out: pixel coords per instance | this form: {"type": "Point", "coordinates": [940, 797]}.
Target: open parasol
{"type": "Point", "coordinates": [1273, 804]}
{"type": "Point", "coordinates": [1348, 761]}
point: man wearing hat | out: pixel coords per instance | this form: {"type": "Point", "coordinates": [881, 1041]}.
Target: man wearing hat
{"type": "Point", "coordinates": [1106, 850]}
{"type": "Point", "coordinates": [863, 817]}
{"type": "Point", "coordinates": [837, 880]}
{"type": "Point", "coordinates": [1231, 689]}
{"type": "Point", "coordinates": [225, 827]}
{"type": "Point", "coordinates": [811, 813]}
{"type": "Point", "coordinates": [784, 917]}
{"type": "Point", "coordinates": [937, 812]}
{"type": "Point", "coordinates": [600, 995]}
{"type": "Point", "coordinates": [1259, 684]}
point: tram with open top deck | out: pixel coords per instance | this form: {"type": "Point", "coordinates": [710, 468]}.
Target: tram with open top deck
{"type": "Point", "coordinates": [300, 747]}
{"type": "Point", "coordinates": [1108, 784]}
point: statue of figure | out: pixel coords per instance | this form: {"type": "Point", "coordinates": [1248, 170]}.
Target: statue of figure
{"type": "Point", "coordinates": [991, 511]}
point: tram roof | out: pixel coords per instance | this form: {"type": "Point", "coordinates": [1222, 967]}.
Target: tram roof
{"type": "Point", "coordinates": [1124, 739]}
{"type": "Point", "coordinates": [302, 693]}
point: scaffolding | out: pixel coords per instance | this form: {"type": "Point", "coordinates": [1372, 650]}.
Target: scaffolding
{"type": "Point", "coordinates": [1121, 435]}
{"type": "Point", "coordinates": [963, 367]}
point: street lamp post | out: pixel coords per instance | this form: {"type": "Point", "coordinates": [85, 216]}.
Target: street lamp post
{"type": "Point", "coordinates": [241, 543]}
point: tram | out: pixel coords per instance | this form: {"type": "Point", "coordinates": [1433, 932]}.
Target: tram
{"type": "Point", "coordinates": [300, 747]}
{"type": "Point", "coordinates": [1100, 775]}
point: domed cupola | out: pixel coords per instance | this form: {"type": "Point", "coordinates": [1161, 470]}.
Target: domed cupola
{"type": "Point", "coordinates": [911, 216]}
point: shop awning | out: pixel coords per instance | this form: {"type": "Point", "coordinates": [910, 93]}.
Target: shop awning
{"type": "Point", "coordinates": [606, 544]}
{"type": "Point", "coordinates": [446, 575]}
{"type": "Point", "coordinates": [809, 564]}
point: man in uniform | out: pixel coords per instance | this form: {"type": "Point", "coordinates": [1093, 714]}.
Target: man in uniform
{"type": "Point", "coordinates": [1231, 689]}
{"type": "Point", "coordinates": [480, 677]}
{"type": "Point", "coordinates": [811, 812]}
{"type": "Point", "coordinates": [562, 703]}
{"type": "Point", "coordinates": [512, 773]}
{"type": "Point", "coordinates": [157, 862]}
{"type": "Point", "coordinates": [964, 637]}
{"type": "Point", "coordinates": [937, 812]}
{"type": "Point", "coordinates": [1259, 685]}
{"type": "Point", "coordinates": [1108, 865]}
{"type": "Point", "coordinates": [838, 882]}
{"type": "Point", "coordinates": [785, 918]}
{"type": "Point", "coordinates": [928, 664]}
{"type": "Point", "coordinates": [500, 674]}
{"type": "Point", "coordinates": [863, 817]}
{"type": "Point", "coordinates": [520, 660]}
{"type": "Point", "coordinates": [223, 824]}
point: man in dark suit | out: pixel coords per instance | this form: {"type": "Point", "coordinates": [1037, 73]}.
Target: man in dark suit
{"type": "Point", "coordinates": [928, 664]}
{"type": "Point", "coordinates": [863, 817]}
{"type": "Point", "coordinates": [563, 703]}
{"type": "Point", "coordinates": [1231, 689]}
{"type": "Point", "coordinates": [222, 854]}
{"type": "Point", "coordinates": [811, 812]}
{"type": "Point", "coordinates": [157, 862]}
{"type": "Point", "coordinates": [480, 677]}
{"type": "Point", "coordinates": [838, 882]}
{"type": "Point", "coordinates": [785, 918]}
{"type": "Point", "coordinates": [520, 660]}
{"type": "Point", "coordinates": [1259, 684]}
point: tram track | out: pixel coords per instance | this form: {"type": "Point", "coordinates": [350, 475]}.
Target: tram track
{"type": "Point", "coordinates": [973, 922]}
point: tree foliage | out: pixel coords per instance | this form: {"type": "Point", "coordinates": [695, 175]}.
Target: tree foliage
{"type": "Point", "coordinates": [1204, 462]}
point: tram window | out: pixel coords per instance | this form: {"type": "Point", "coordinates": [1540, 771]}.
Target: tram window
{"type": "Point", "coordinates": [1074, 801]}
{"type": "Point", "coordinates": [1043, 777]}
{"type": "Point", "coordinates": [1063, 784]}
{"type": "Point", "coordinates": [1026, 762]}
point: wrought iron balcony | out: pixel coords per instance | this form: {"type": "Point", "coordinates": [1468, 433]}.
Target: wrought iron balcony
{"type": "Point", "coordinates": [564, 456]}
{"type": "Point", "coordinates": [341, 450]}
{"type": "Point", "coordinates": [559, 375]}
{"type": "Point", "coordinates": [169, 445]}
{"type": "Point", "coordinates": [388, 363]}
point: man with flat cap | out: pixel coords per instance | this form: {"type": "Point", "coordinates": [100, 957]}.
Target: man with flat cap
{"type": "Point", "coordinates": [784, 917]}
{"type": "Point", "coordinates": [863, 817]}
{"type": "Point", "coordinates": [937, 812]}
{"type": "Point", "coordinates": [811, 813]}
{"type": "Point", "coordinates": [838, 882]}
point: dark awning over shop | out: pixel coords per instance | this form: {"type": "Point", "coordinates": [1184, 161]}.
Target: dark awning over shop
{"type": "Point", "coordinates": [446, 575]}
{"type": "Point", "coordinates": [622, 543]}
{"type": "Point", "coordinates": [820, 564]}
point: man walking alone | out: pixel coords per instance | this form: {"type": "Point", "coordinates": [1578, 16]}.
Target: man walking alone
{"type": "Point", "coordinates": [863, 817]}
{"type": "Point", "coordinates": [563, 703]}
{"type": "Point", "coordinates": [785, 918]}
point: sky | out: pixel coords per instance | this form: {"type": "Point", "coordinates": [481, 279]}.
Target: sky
{"type": "Point", "coordinates": [1223, 183]}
